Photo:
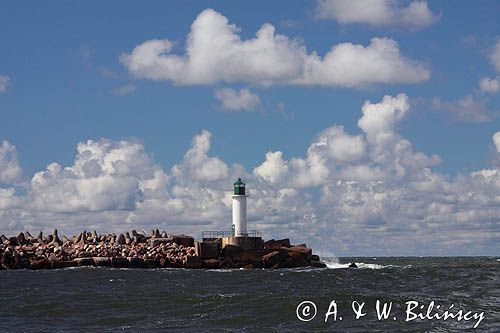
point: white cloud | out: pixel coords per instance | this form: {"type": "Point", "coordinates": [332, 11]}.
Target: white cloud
{"type": "Point", "coordinates": [496, 141]}
{"type": "Point", "coordinates": [106, 175]}
{"type": "Point", "coordinates": [8, 198]}
{"type": "Point", "coordinates": [273, 169]}
{"type": "Point", "coordinates": [415, 16]}
{"type": "Point", "coordinates": [379, 119]}
{"type": "Point", "coordinates": [489, 85]}
{"type": "Point", "coordinates": [4, 83]}
{"type": "Point", "coordinates": [470, 108]}
{"type": "Point", "coordinates": [342, 146]}
{"type": "Point", "coordinates": [124, 90]}
{"type": "Point", "coordinates": [216, 53]}
{"type": "Point", "coordinates": [197, 165]}
{"type": "Point", "coordinates": [10, 170]}
{"type": "Point", "coordinates": [233, 100]}
{"type": "Point", "coordinates": [369, 193]}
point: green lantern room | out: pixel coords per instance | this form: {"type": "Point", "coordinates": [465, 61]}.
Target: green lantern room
{"type": "Point", "coordinates": [239, 187]}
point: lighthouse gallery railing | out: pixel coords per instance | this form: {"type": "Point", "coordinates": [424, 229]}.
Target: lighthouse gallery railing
{"type": "Point", "coordinates": [220, 234]}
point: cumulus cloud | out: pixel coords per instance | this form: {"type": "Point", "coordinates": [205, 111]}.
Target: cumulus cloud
{"type": "Point", "coordinates": [198, 165]}
{"type": "Point", "coordinates": [106, 175]}
{"type": "Point", "coordinates": [350, 193]}
{"type": "Point", "coordinates": [4, 83]}
{"type": "Point", "coordinates": [415, 16]}
{"type": "Point", "coordinates": [233, 100]}
{"type": "Point", "coordinates": [10, 170]}
{"type": "Point", "coordinates": [215, 53]}
{"type": "Point", "coordinates": [273, 169]}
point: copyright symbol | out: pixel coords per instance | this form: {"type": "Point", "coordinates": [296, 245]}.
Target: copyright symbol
{"type": "Point", "coordinates": [306, 311]}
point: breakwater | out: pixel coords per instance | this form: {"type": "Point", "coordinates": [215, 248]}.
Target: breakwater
{"type": "Point", "coordinates": [150, 250]}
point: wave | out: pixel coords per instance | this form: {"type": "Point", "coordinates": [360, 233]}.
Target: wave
{"type": "Point", "coordinates": [335, 264]}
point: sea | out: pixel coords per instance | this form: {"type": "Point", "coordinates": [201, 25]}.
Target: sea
{"type": "Point", "coordinates": [332, 299]}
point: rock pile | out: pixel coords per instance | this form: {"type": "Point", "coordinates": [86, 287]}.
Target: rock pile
{"type": "Point", "coordinates": [145, 250]}
{"type": "Point", "coordinates": [135, 249]}
{"type": "Point", "coordinates": [273, 254]}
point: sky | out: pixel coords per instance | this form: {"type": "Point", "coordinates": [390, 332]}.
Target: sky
{"type": "Point", "coordinates": [360, 128]}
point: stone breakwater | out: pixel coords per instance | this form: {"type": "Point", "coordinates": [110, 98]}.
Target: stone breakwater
{"type": "Point", "coordinates": [145, 250]}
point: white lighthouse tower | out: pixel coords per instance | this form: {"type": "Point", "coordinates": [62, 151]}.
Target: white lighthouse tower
{"type": "Point", "coordinates": [239, 209]}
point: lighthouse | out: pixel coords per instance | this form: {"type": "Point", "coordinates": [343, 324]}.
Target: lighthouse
{"type": "Point", "coordinates": [239, 209]}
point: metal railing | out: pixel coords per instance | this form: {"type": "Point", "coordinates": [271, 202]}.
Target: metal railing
{"type": "Point", "coordinates": [219, 234]}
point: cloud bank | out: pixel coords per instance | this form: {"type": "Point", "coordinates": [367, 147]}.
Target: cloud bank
{"type": "Point", "coordinates": [216, 53]}
{"type": "Point", "coordinates": [364, 193]}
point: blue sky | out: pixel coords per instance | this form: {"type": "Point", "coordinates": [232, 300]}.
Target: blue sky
{"type": "Point", "coordinates": [68, 83]}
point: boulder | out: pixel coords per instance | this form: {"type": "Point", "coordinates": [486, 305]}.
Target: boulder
{"type": "Point", "coordinates": [119, 262]}
{"type": "Point", "coordinates": [6, 260]}
{"type": "Point", "coordinates": [164, 263]}
{"type": "Point", "coordinates": [318, 264]}
{"type": "Point", "coordinates": [192, 262]}
{"type": "Point", "coordinates": [135, 262]}
{"type": "Point", "coordinates": [21, 239]}
{"type": "Point", "coordinates": [55, 239]}
{"type": "Point", "coordinates": [39, 263]}
{"type": "Point", "coordinates": [84, 254]}
{"type": "Point", "coordinates": [274, 258]}
{"type": "Point", "coordinates": [157, 241]}
{"type": "Point", "coordinates": [288, 263]}
{"type": "Point", "coordinates": [304, 251]}
{"type": "Point", "coordinates": [232, 251]}
{"type": "Point", "coordinates": [254, 254]}
{"type": "Point", "coordinates": [277, 244]}
{"type": "Point", "coordinates": [13, 241]}
{"type": "Point", "coordinates": [82, 240]}
{"type": "Point", "coordinates": [207, 250]}
{"type": "Point", "coordinates": [101, 261]}
{"type": "Point", "coordinates": [210, 263]}
{"type": "Point", "coordinates": [3, 239]}
{"type": "Point", "coordinates": [315, 257]}
{"type": "Point", "coordinates": [120, 239]}
{"type": "Point", "coordinates": [248, 266]}
{"type": "Point", "coordinates": [298, 259]}
{"type": "Point", "coordinates": [17, 261]}
{"type": "Point", "coordinates": [226, 262]}
{"type": "Point", "coordinates": [187, 241]}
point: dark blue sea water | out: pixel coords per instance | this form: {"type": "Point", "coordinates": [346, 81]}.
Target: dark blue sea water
{"type": "Point", "coordinates": [177, 300]}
